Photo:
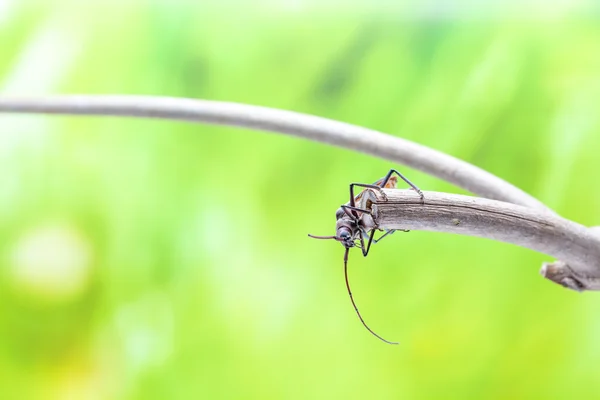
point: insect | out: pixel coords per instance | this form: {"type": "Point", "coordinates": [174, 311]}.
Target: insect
{"type": "Point", "coordinates": [352, 232]}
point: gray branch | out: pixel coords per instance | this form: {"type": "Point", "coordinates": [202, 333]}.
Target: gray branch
{"type": "Point", "coordinates": [576, 246]}
{"type": "Point", "coordinates": [323, 130]}
{"type": "Point", "coordinates": [533, 226]}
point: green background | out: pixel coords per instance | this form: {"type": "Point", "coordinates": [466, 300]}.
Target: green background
{"type": "Point", "coordinates": [156, 260]}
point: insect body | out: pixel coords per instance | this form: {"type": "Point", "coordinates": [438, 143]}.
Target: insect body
{"type": "Point", "coordinates": [351, 231]}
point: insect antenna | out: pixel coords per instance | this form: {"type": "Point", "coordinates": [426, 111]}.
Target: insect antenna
{"type": "Point", "coordinates": [354, 304]}
{"type": "Point", "coordinates": [322, 237]}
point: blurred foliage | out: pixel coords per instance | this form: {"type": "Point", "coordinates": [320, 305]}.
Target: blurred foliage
{"type": "Point", "coordinates": [153, 260]}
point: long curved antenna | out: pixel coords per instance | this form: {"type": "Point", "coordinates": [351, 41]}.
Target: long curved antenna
{"type": "Point", "coordinates": [354, 304]}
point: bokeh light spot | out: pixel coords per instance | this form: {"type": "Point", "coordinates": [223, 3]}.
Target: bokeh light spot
{"type": "Point", "coordinates": [51, 262]}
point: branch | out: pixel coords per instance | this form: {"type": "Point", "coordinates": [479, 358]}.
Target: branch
{"type": "Point", "coordinates": [323, 130]}
{"type": "Point", "coordinates": [579, 247]}
{"type": "Point", "coordinates": [576, 246]}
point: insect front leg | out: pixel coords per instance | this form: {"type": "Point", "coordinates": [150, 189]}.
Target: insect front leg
{"type": "Point", "coordinates": [363, 236]}
{"type": "Point", "coordinates": [365, 252]}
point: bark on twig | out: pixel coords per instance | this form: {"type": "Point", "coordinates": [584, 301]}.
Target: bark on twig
{"type": "Point", "coordinates": [576, 246]}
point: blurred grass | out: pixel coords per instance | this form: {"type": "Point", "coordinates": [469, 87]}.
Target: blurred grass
{"type": "Point", "coordinates": [200, 281]}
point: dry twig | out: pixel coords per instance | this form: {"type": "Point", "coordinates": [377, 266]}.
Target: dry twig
{"type": "Point", "coordinates": [576, 246]}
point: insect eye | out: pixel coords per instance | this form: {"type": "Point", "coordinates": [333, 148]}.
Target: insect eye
{"type": "Point", "coordinates": [345, 235]}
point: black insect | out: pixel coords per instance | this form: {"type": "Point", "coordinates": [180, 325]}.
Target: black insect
{"type": "Point", "coordinates": [352, 232]}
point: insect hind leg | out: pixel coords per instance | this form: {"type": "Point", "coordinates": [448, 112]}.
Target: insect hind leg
{"type": "Point", "coordinates": [387, 232]}
{"type": "Point", "coordinates": [405, 179]}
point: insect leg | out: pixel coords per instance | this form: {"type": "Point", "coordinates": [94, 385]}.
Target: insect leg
{"type": "Point", "coordinates": [365, 185]}
{"type": "Point", "coordinates": [366, 251]}
{"type": "Point", "coordinates": [388, 232]}
{"type": "Point", "coordinates": [362, 210]}
{"type": "Point", "coordinates": [405, 179]}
